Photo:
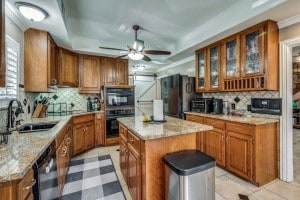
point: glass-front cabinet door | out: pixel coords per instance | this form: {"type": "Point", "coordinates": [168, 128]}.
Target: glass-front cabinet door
{"type": "Point", "coordinates": [231, 57]}
{"type": "Point", "coordinates": [214, 66]}
{"type": "Point", "coordinates": [253, 51]}
{"type": "Point", "coordinates": [200, 70]}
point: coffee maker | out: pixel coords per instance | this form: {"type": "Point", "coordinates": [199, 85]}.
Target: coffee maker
{"type": "Point", "coordinates": [217, 106]}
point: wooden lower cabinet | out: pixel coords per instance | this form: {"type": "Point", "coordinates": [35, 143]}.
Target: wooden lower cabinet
{"type": "Point", "coordinates": [99, 129]}
{"type": "Point", "coordinates": [89, 138]}
{"type": "Point", "coordinates": [214, 145]}
{"type": "Point", "coordinates": [134, 173]}
{"type": "Point", "coordinates": [78, 139]}
{"type": "Point", "coordinates": [25, 186]}
{"type": "Point", "coordinates": [249, 151]}
{"type": "Point", "coordinates": [63, 155]}
{"type": "Point", "coordinates": [130, 162]}
{"type": "Point", "coordinates": [239, 154]}
{"type": "Point", "coordinates": [83, 133]}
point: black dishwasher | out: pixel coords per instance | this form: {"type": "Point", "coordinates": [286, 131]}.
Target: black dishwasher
{"type": "Point", "coordinates": [45, 172]}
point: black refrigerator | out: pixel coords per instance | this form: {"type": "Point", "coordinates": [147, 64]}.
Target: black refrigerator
{"type": "Point", "coordinates": [176, 93]}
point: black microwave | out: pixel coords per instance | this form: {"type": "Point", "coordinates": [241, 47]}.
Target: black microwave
{"type": "Point", "coordinates": [119, 97]}
{"type": "Point", "coordinates": [271, 106]}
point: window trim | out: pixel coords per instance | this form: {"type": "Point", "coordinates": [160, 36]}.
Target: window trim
{"type": "Point", "coordinates": [10, 42]}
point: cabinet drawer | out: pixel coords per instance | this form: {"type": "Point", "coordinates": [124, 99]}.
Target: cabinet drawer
{"type": "Point", "coordinates": [133, 141]}
{"type": "Point", "coordinates": [194, 118]}
{"type": "Point", "coordinates": [123, 132]}
{"type": "Point", "coordinates": [83, 119]}
{"type": "Point", "coordinates": [215, 123]}
{"type": "Point", "coordinates": [240, 128]}
{"type": "Point", "coordinates": [99, 116]}
{"type": "Point", "coordinates": [25, 185]}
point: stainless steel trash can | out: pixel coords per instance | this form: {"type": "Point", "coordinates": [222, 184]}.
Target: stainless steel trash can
{"type": "Point", "coordinates": [189, 175]}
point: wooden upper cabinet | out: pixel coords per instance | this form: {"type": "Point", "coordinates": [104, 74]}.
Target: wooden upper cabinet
{"type": "Point", "coordinates": [68, 68]}
{"type": "Point", "coordinates": [230, 57]}
{"type": "Point", "coordinates": [2, 47]}
{"type": "Point", "coordinates": [52, 62]}
{"type": "Point", "coordinates": [122, 72]}
{"type": "Point", "coordinates": [253, 44]}
{"type": "Point", "coordinates": [248, 61]}
{"type": "Point", "coordinates": [89, 74]}
{"type": "Point", "coordinates": [201, 71]}
{"type": "Point", "coordinates": [115, 71]}
{"type": "Point", "coordinates": [213, 67]}
{"type": "Point", "coordinates": [109, 65]}
{"type": "Point", "coordinates": [40, 68]}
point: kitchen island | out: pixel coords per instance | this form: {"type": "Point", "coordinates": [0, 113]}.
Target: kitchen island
{"type": "Point", "coordinates": [142, 146]}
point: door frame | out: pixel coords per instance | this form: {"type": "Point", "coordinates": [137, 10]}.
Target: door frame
{"type": "Point", "coordinates": [286, 120]}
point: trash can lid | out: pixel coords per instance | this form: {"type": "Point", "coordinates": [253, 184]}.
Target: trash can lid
{"type": "Point", "coordinates": [188, 162]}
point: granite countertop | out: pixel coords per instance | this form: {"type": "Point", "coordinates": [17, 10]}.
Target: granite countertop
{"type": "Point", "coordinates": [240, 119]}
{"type": "Point", "coordinates": [172, 127]}
{"type": "Point", "coordinates": [23, 150]}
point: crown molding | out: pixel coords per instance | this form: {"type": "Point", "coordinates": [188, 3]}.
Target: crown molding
{"type": "Point", "coordinates": [175, 64]}
{"type": "Point", "coordinates": [289, 21]}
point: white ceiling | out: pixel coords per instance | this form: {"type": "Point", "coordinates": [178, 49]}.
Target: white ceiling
{"type": "Point", "coordinates": [175, 25]}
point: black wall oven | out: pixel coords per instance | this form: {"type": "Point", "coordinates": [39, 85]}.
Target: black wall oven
{"type": "Point", "coordinates": [112, 124]}
{"type": "Point", "coordinates": [119, 97]}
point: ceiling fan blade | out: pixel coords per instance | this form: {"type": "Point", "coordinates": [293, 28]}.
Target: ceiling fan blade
{"type": "Point", "coordinates": [157, 52]}
{"type": "Point", "coordinates": [109, 48]}
{"type": "Point", "coordinates": [146, 58]}
{"type": "Point", "coordinates": [122, 56]}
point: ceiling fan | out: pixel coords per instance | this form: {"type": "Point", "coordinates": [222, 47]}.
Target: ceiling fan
{"type": "Point", "coordinates": [137, 51]}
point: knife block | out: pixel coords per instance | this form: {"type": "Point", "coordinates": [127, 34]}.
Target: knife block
{"type": "Point", "coordinates": [40, 111]}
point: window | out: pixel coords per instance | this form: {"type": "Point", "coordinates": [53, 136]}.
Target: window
{"type": "Point", "coordinates": [12, 69]}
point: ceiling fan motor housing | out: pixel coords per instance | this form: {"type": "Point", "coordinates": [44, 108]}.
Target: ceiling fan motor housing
{"type": "Point", "coordinates": [138, 45]}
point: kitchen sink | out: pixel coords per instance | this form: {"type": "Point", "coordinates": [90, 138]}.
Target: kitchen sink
{"type": "Point", "coordinates": [34, 127]}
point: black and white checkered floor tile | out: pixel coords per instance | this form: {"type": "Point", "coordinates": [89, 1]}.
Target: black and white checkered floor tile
{"type": "Point", "coordinates": [92, 178]}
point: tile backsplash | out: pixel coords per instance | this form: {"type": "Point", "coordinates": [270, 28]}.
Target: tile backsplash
{"type": "Point", "coordinates": [68, 96]}
{"type": "Point", "coordinates": [245, 99]}
{"type": "Point", "coordinates": [27, 112]}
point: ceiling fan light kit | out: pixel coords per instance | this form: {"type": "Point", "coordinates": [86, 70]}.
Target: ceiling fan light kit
{"type": "Point", "coordinates": [135, 55]}
{"type": "Point", "coordinates": [137, 52]}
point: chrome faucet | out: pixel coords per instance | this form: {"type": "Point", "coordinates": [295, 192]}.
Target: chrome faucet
{"type": "Point", "coordinates": [10, 113]}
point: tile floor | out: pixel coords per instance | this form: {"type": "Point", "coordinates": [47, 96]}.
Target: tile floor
{"type": "Point", "coordinates": [228, 186]}
{"type": "Point", "coordinates": [296, 158]}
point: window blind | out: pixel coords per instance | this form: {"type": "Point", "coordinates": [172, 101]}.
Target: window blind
{"type": "Point", "coordinates": [12, 55]}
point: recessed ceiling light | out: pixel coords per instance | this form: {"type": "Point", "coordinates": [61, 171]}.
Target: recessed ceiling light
{"type": "Point", "coordinates": [31, 12]}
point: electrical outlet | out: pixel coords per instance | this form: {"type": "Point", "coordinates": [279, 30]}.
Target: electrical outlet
{"type": "Point", "coordinates": [233, 106]}
{"type": "Point", "coordinates": [249, 107]}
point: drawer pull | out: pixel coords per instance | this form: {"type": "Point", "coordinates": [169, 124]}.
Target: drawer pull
{"type": "Point", "coordinates": [131, 140]}
{"type": "Point", "coordinates": [237, 129]}
{"type": "Point", "coordinates": [64, 151]}
{"type": "Point", "coordinates": [33, 181]}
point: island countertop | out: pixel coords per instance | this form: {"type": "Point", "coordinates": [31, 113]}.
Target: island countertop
{"type": "Point", "coordinates": [155, 130]}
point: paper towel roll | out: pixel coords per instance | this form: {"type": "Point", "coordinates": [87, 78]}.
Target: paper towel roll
{"type": "Point", "coordinates": [158, 110]}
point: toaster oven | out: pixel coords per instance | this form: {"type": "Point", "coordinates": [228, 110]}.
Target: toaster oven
{"type": "Point", "coordinates": [203, 105]}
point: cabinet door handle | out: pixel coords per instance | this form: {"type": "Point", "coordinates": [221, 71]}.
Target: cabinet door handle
{"type": "Point", "coordinates": [64, 150]}
{"type": "Point", "coordinates": [131, 140]}
{"type": "Point", "coordinates": [237, 129]}
{"type": "Point", "coordinates": [222, 138]}
{"type": "Point", "coordinates": [68, 140]}
{"type": "Point", "coordinates": [227, 140]}
{"type": "Point", "coordinates": [126, 150]}
{"type": "Point", "coordinates": [33, 181]}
